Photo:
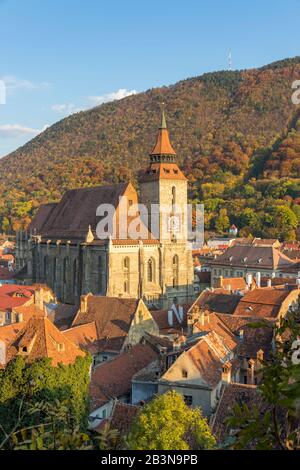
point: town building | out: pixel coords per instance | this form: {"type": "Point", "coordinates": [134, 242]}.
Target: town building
{"type": "Point", "coordinates": [63, 248]}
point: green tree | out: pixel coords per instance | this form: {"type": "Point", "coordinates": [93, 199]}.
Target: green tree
{"type": "Point", "coordinates": [222, 221]}
{"type": "Point", "coordinates": [167, 423]}
{"type": "Point", "coordinates": [274, 423]}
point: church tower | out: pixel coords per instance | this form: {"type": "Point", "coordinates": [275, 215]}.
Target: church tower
{"type": "Point", "coordinates": [163, 190]}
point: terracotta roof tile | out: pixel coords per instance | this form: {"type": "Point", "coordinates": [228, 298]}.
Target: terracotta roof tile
{"type": "Point", "coordinates": [112, 316]}
{"type": "Point", "coordinates": [40, 338]}
{"type": "Point", "coordinates": [122, 417]}
{"type": "Point", "coordinates": [84, 336]}
{"type": "Point", "coordinates": [218, 300]}
{"type": "Point", "coordinates": [112, 379]}
{"type": "Point", "coordinates": [161, 318]}
{"type": "Point", "coordinates": [233, 393]}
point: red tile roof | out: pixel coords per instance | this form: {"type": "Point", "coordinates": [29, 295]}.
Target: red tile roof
{"type": "Point", "coordinates": [84, 336]}
{"type": "Point", "coordinates": [39, 338]}
{"type": "Point", "coordinates": [232, 393]}
{"type": "Point", "coordinates": [262, 302]}
{"type": "Point", "coordinates": [123, 416]}
{"type": "Point", "coordinates": [112, 317]}
{"type": "Point", "coordinates": [218, 300]}
{"type": "Point", "coordinates": [112, 379]}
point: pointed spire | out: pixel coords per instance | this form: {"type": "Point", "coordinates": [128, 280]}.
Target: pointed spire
{"type": "Point", "coordinates": [163, 117]}
{"type": "Point", "coordinates": [163, 145]}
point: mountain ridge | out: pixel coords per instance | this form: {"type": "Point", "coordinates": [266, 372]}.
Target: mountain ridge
{"type": "Point", "coordinates": [220, 123]}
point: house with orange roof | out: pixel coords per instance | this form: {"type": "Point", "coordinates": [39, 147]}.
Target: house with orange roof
{"type": "Point", "coordinates": [37, 339]}
{"type": "Point", "coordinates": [199, 372]}
{"type": "Point", "coordinates": [111, 381]}
{"type": "Point", "coordinates": [106, 326]}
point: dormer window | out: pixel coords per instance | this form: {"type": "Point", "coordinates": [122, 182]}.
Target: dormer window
{"type": "Point", "coordinates": [184, 373]}
{"type": "Point", "coordinates": [245, 259]}
{"type": "Point", "coordinates": [259, 260]}
{"type": "Point", "coordinates": [24, 349]}
{"type": "Point", "coordinates": [230, 258]}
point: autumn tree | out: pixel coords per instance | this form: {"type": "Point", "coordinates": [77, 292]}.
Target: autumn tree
{"type": "Point", "coordinates": [167, 423]}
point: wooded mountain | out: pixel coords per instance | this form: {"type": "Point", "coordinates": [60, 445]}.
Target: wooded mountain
{"type": "Point", "coordinates": [230, 124]}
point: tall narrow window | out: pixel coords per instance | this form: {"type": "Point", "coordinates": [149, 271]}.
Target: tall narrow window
{"type": "Point", "coordinates": [173, 195]}
{"type": "Point", "coordinates": [126, 270]}
{"type": "Point", "coordinates": [126, 263]}
{"type": "Point", "coordinates": [54, 270]}
{"type": "Point", "coordinates": [65, 267]}
{"type": "Point", "coordinates": [75, 276]}
{"type": "Point", "coordinates": [45, 266]}
{"type": "Point", "coordinates": [100, 269]}
{"type": "Point", "coordinates": [175, 270]}
{"type": "Point", "coordinates": [151, 270]}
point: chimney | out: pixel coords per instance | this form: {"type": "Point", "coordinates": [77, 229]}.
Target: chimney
{"type": "Point", "coordinates": [2, 353]}
{"type": "Point", "coordinates": [84, 303]}
{"type": "Point", "coordinates": [226, 372]}
{"type": "Point", "coordinates": [250, 372]}
{"type": "Point", "coordinates": [241, 334]}
{"type": "Point", "coordinates": [249, 280]}
{"type": "Point", "coordinates": [269, 283]}
{"type": "Point", "coordinates": [258, 277]}
{"type": "Point", "coordinates": [170, 317]}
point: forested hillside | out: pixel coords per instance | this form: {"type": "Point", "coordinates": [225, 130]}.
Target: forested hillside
{"type": "Point", "coordinates": [235, 132]}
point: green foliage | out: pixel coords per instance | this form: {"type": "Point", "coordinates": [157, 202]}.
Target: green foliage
{"type": "Point", "coordinates": [275, 423]}
{"type": "Point", "coordinates": [227, 128]}
{"type": "Point", "coordinates": [167, 423]}
{"type": "Point", "coordinates": [40, 381]}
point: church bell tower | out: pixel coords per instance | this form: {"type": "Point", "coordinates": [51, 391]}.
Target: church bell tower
{"type": "Point", "coordinates": [163, 190]}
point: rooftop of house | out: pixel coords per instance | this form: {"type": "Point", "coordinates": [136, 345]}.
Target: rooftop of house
{"type": "Point", "coordinates": [232, 393]}
{"type": "Point", "coordinates": [162, 319]}
{"type": "Point", "coordinates": [233, 283]}
{"type": "Point", "coordinates": [264, 302]}
{"type": "Point", "coordinates": [112, 379]}
{"type": "Point", "coordinates": [217, 300]}
{"type": "Point", "coordinates": [112, 317]}
{"type": "Point", "coordinates": [84, 336]}
{"type": "Point", "coordinates": [212, 322]}
{"type": "Point", "coordinates": [39, 338]}
{"type": "Point", "coordinates": [238, 334]}
{"type": "Point", "coordinates": [206, 357]}
{"type": "Point", "coordinates": [12, 295]}
{"type": "Point", "coordinates": [123, 416]}
{"type": "Point", "coordinates": [29, 311]}
{"type": "Point", "coordinates": [62, 315]}
{"type": "Point", "coordinates": [9, 332]}
{"type": "Point", "coordinates": [254, 256]}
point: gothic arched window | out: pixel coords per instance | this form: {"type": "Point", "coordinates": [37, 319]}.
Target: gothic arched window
{"type": "Point", "coordinates": [45, 266]}
{"type": "Point", "coordinates": [150, 270]}
{"type": "Point", "coordinates": [175, 270]}
{"type": "Point", "coordinates": [173, 195]}
{"type": "Point", "coordinates": [75, 275]}
{"type": "Point", "coordinates": [126, 263]}
{"type": "Point", "coordinates": [65, 267]}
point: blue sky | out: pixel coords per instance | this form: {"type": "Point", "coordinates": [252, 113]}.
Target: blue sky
{"type": "Point", "coordinates": [60, 56]}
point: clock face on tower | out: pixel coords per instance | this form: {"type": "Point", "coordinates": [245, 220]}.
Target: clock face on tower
{"type": "Point", "coordinates": [174, 223]}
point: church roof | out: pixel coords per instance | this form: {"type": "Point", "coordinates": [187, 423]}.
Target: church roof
{"type": "Point", "coordinates": [41, 217]}
{"type": "Point", "coordinates": [163, 145]}
{"type": "Point", "coordinates": [72, 216]}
